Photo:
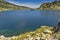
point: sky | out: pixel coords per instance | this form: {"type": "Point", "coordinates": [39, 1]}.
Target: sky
{"type": "Point", "coordinates": [29, 3]}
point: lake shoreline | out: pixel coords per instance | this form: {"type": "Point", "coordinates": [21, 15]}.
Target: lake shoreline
{"type": "Point", "coordinates": [36, 33]}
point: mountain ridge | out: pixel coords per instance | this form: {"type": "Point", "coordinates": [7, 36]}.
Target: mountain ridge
{"type": "Point", "coordinates": [50, 6]}
{"type": "Point", "coordinates": [4, 5]}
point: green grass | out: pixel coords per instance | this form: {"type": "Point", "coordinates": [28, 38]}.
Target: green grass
{"type": "Point", "coordinates": [34, 33]}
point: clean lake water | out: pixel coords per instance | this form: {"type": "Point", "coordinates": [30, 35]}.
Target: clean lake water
{"type": "Point", "coordinates": [15, 22]}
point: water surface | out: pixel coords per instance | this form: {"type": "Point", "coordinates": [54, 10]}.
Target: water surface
{"type": "Point", "coordinates": [15, 22]}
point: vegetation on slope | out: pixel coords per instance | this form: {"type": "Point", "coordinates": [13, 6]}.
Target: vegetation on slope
{"type": "Point", "coordinates": [50, 6]}
{"type": "Point", "coordinates": [9, 6]}
{"type": "Point", "coordinates": [41, 33]}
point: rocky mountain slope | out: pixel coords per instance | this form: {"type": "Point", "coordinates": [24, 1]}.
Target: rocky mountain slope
{"type": "Point", "coordinates": [50, 6]}
{"type": "Point", "coordinates": [9, 6]}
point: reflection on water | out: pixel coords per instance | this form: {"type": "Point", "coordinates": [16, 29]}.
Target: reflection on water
{"type": "Point", "coordinates": [19, 21]}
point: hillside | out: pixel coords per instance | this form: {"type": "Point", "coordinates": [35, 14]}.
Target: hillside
{"type": "Point", "coordinates": [9, 6]}
{"type": "Point", "coordinates": [50, 6]}
{"type": "Point", "coordinates": [42, 33]}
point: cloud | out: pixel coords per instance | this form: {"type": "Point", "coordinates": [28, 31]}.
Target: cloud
{"type": "Point", "coordinates": [28, 4]}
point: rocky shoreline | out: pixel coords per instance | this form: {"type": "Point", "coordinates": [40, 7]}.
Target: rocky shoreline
{"type": "Point", "coordinates": [43, 33]}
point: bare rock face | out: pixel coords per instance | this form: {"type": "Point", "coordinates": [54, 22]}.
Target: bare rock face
{"type": "Point", "coordinates": [58, 26]}
{"type": "Point", "coordinates": [50, 6]}
{"type": "Point", "coordinates": [58, 23]}
{"type": "Point", "coordinates": [58, 35]}
{"type": "Point", "coordinates": [57, 31]}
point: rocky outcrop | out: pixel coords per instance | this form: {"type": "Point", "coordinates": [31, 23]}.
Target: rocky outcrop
{"type": "Point", "coordinates": [50, 6]}
{"type": "Point", "coordinates": [43, 33]}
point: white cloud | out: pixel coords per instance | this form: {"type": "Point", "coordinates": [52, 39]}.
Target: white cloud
{"type": "Point", "coordinates": [31, 5]}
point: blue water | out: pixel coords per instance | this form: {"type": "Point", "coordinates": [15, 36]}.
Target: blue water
{"type": "Point", "coordinates": [15, 22]}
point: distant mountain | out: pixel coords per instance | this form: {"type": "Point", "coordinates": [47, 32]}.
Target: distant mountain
{"type": "Point", "coordinates": [9, 6]}
{"type": "Point", "coordinates": [50, 6]}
